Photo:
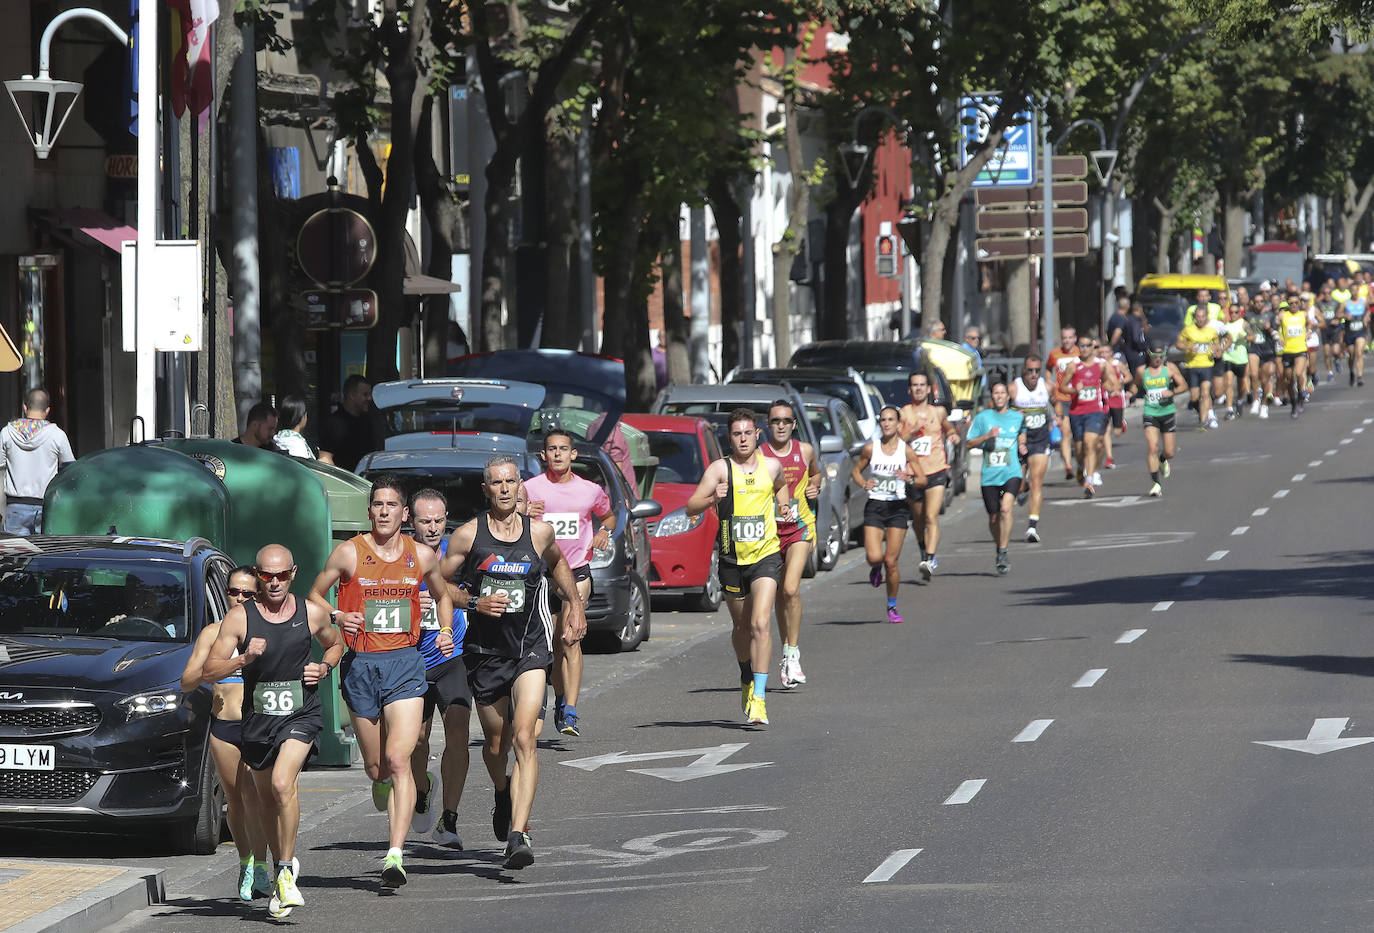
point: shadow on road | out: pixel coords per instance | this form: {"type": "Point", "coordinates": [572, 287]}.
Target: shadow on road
{"type": "Point", "coordinates": [695, 724]}
{"type": "Point", "coordinates": [1316, 663]}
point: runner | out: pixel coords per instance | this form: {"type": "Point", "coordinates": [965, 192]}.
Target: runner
{"type": "Point", "coordinates": [1086, 381]}
{"type": "Point", "coordinates": [925, 426]}
{"type": "Point", "coordinates": [226, 722]}
{"type": "Point", "coordinates": [378, 575]}
{"type": "Point", "coordinates": [1332, 313]}
{"type": "Point", "coordinates": [1293, 333]}
{"type": "Point", "coordinates": [748, 491]}
{"type": "Point", "coordinates": [267, 640]}
{"type": "Point", "coordinates": [1115, 403]}
{"type": "Point", "coordinates": [893, 464]}
{"type": "Point", "coordinates": [1032, 399]}
{"type": "Point", "coordinates": [448, 689]}
{"type": "Point", "coordinates": [1001, 433]}
{"type": "Point", "coordinates": [801, 471]}
{"type": "Point", "coordinates": [1061, 357]}
{"type": "Point", "coordinates": [1262, 355]}
{"type": "Point", "coordinates": [1200, 343]}
{"type": "Point", "coordinates": [507, 559]}
{"type": "Point", "coordinates": [1236, 356]}
{"type": "Point", "coordinates": [1314, 340]}
{"type": "Point", "coordinates": [1161, 381]}
{"type": "Point", "coordinates": [1356, 336]}
{"type": "Point", "coordinates": [569, 503]}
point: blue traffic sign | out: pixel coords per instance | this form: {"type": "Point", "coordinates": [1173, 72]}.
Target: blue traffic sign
{"type": "Point", "coordinates": [1013, 163]}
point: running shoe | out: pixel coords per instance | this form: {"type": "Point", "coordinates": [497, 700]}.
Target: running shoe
{"type": "Point", "coordinates": [926, 568]}
{"type": "Point", "coordinates": [875, 575]}
{"type": "Point", "coordinates": [519, 852]}
{"type": "Point", "coordinates": [1230, 415]}
{"type": "Point", "coordinates": [1033, 535]}
{"type": "Point", "coordinates": [1221, 402]}
{"type": "Point", "coordinates": [1212, 422]}
{"type": "Point", "coordinates": [746, 693]}
{"type": "Point", "coordinates": [1165, 469]}
{"type": "Point", "coordinates": [1338, 366]}
{"type": "Point", "coordinates": [446, 831]}
{"type": "Point", "coordinates": [798, 675]}
{"type": "Point", "coordinates": [381, 790]}
{"type": "Point", "coordinates": [1003, 564]}
{"type": "Point", "coordinates": [1156, 491]}
{"type": "Point", "coordinates": [1068, 473]}
{"type": "Point", "coordinates": [567, 721]}
{"type": "Point", "coordinates": [1110, 465]}
{"type": "Point", "coordinates": [262, 877]}
{"type": "Point", "coordinates": [285, 896]}
{"type": "Point", "coordinates": [1097, 478]}
{"type": "Point", "coordinates": [393, 874]}
{"type": "Point", "coordinates": [1255, 407]}
{"type": "Point", "coordinates": [500, 814]}
{"type": "Point", "coordinates": [423, 819]}
{"type": "Point", "coordinates": [1087, 490]}
{"type": "Point", "coordinates": [1264, 411]}
{"type": "Point", "coordinates": [246, 878]}
{"type": "Point", "coordinates": [893, 615]}
{"type": "Point", "coordinates": [785, 671]}
{"type": "Point", "coordinates": [757, 713]}
{"type": "Point", "coordinates": [934, 563]}
{"type": "Point", "coordinates": [1330, 377]}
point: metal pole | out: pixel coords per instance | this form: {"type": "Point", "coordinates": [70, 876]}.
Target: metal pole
{"type": "Point", "coordinates": [243, 116]}
{"type": "Point", "coordinates": [145, 385]}
{"type": "Point", "coordinates": [1047, 310]}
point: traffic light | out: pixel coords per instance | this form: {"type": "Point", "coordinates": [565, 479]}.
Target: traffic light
{"type": "Point", "coordinates": [885, 255]}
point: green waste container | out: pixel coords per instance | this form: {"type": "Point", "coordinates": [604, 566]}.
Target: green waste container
{"type": "Point", "coordinates": [348, 495]}
{"type": "Point", "coordinates": [140, 491]}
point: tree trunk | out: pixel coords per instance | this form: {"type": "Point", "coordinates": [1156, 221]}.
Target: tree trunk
{"type": "Point", "coordinates": [674, 312]}
{"type": "Point", "coordinates": [1233, 230]}
{"type": "Point", "coordinates": [1166, 235]}
{"type": "Point", "coordinates": [727, 216]}
{"type": "Point", "coordinates": [1353, 208]}
{"type": "Point", "coordinates": [447, 227]}
{"type": "Point", "coordinates": [798, 204]}
{"type": "Point", "coordinates": [562, 325]}
{"type": "Point", "coordinates": [834, 316]}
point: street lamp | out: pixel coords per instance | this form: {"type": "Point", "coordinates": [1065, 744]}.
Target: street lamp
{"type": "Point", "coordinates": [1104, 161]}
{"type": "Point", "coordinates": [43, 136]}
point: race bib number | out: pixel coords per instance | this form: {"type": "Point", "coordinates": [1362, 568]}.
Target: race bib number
{"type": "Point", "coordinates": [565, 524]}
{"type": "Point", "coordinates": [1087, 393]}
{"type": "Point", "coordinates": [386, 616]}
{"type": "Point", "coordinates": [513, 590]}
{"type": "Point", "coordinates": [1355, 324]}
{"type": "Point", "coordinates": [278, 697]}
{"type": "Point", "coordinates": [1293, 330]}
{"type": "Point", "coordinates": [999, 458]}
{"type": "Point", "coordinates": [1202, 348]}
{"type": "Point", "coordinates": [921, 445]}
{"type": "Point", "coordinates": [1329, 314]}
{"type": "Point", "coordinates": [1036, 421]}
{"type": "Point", "coordinates": [429, 617]}
{"type": "Point", "coordinates": [889, 487]}
{"type": "Point", "coordinates": [1155, 396]}
{"type": "Point", "coordinates": [748, 529]}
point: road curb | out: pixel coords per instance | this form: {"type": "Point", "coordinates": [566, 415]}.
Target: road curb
{"type": "Point", "coordinates": [90, 906]}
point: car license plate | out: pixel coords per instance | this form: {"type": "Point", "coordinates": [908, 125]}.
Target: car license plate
{"type": "Point", "coordinates": [26, 757]}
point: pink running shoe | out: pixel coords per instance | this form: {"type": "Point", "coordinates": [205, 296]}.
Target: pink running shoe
{"type": "Point", "coordinates": [892, 615]}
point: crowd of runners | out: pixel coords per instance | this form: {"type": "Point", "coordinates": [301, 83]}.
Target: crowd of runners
{"type": "Point", "coordinates": [487, 617]}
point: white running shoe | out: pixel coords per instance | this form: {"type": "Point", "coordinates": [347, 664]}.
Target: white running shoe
{"type": "Point", "coordinates": [1264, 411]}
{"type": "Point", "coordinates": [798, 675]}
{"type": "Point", "coordinates": [1255, 407]}
{"type": "Point", "coordinates": [1097, 478]}
{"type": "Point", "coordinates": [1221, 402]}
{"type": "Point", "coordinates": [1212, 422]}
{"type": "Point", "coordinates": [785, 671]}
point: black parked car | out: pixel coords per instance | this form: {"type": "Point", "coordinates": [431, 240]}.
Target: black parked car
{"type": "Point", "coordinates": [95, 733]}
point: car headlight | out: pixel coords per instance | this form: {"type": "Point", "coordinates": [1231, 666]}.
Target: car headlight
{"type": "Point", "coordinates": [602, 557]}
{"type": "Point", "coordinates": [678, 522]}
{"type": "Point", "coordinates": [151, 703]}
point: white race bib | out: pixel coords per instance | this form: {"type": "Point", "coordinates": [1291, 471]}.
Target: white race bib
{"type": "Point", "coordinates": [921, 445]}
{"type": "Point", "coordinates": [565, 524]}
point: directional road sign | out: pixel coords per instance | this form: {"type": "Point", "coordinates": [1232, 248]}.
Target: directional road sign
{"type": "Point", "coordinates": [1069, 167]}
{"type": "Point", "coordinates": [1030, 198]}
{"type": "Point", "coordinates": [1013, 163]}
{"type": "Point", "coordinates": [1070, 220]}
{"type": "Point", "coordinates": [990, 248]}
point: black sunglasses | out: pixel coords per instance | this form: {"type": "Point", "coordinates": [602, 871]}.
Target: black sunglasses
{"type": "Point", "coordinates": [235, 591]}
{"type": "Point", "coordinates": [782, 420]}
{"type": "Point", "coordinates": [1029, 369]}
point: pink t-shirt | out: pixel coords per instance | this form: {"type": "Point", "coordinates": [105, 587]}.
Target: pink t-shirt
{"type": "Point", "coordinates": [569, 507]}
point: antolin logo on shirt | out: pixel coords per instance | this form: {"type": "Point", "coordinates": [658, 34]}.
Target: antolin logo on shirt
{"type": "Point", "coordinates": [498, 564]}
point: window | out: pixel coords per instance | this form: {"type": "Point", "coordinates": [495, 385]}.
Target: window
{"type": "Point", "coordinates": [64, 594]}
{"type": "Point", "coordinates": [679, 457]}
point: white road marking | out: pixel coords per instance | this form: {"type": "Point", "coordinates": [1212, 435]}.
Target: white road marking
{"type": "Point", "coordinates": [1033, 731]}
{"type": "Point", "coordinates": [1323, 737]}
{"type": "Point", "coordinates": [1367, 421]}
{"type": "Point", "coordinates": [566, 892]}
{"type": "Point", "coordinates": [1314, 463]}
{"type": "Point", "coordinates": [1298, 477]}
{"type": "Point", "coordinates": [1217, 555]}
{"type": "Point", "coordinates": [1347, 440]}
{"type": "Point", "coordinates": [1262, 510]}
{"type": "Point", "coordinates": [1281, 494]}
{"type": "Point", "coordinates": [1331, 453]}
{"type": "Point", "coordinates": [1163, 605]}
{"type": "Point", "coordinates": [1194, 580]}
{"type": "Point", "coordinates": [891, 865]}
{"type": "Point", "coordinates": [1130, 635]}
{"type": "Point", "coordinates": [1090, 678]}
{"type": "Point", "coordinates": [1357, 430]}
{"type": "Point", "coordinates": [965, 792]}
{"type": "Point", "coordinates": [1239, 530]}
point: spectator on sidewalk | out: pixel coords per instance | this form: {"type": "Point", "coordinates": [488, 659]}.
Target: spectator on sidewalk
{"type": "Point", "coordinates": [349, 434]}
{"type": "Point", "coordinates": [259, 428]}
{"type": "Point", "coordinates": [291, 418]}
{"type": "Point", "coordinates": [32, 450]}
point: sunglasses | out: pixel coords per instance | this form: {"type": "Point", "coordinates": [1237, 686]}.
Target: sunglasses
{"type": "Point", "coordinates": [1030, 370]}
{"type": "Point", "coordinates": [267, 576]}
{"type": "Point", "coordinates": [1085, 346]}
{"type": "Point", "coordinates": [782, 420]}
{"type": "Point", "coordinates": [235, 591]}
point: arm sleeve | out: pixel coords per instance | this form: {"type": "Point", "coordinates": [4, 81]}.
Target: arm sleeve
{"type": "Point", "coordinates": [64, 449]}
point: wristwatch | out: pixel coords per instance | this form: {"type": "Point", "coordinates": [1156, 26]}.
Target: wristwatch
{"type": "Point", "coordinates": [333, 614]}
{"type": "Point", "coordinates": [472, 604]}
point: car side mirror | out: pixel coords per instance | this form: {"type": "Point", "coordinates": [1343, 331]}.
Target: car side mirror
{"type": "Point", "coordinates": [645, 508]}
{"type": "Point", "coordinates": [830, 444]}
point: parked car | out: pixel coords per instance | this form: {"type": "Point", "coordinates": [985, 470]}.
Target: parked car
{"type": "Point", "coordinates": [830, 417]}
{"type": "Point", "coordinates": [887, 365]}
{"type": "Point", "coordinates": [95, 733]}
{"type": "Point", "coordinates": [714, 403]}
{"type": "Point", "coordinates": [683, 557]}
{"type": "Point", "coordinates": [845, 384]}
{"type": "Point", "coordinates": [422, 453]}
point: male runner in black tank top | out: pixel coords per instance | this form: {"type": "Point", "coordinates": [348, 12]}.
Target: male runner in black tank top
{"type": "Point", "coordinates": [281, 712]}
{"type": "Point", "coordinates": [504, 559]}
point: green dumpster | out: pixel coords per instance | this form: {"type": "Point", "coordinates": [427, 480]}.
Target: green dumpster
{"type": "Point", "coordinates": [141, 491]}
{"type": "Point", "coordinates": [348, 495]}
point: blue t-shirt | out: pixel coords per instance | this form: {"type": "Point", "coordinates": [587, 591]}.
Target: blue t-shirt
{"type": "Point", "coordinates": [1001, 461]}
{"type": "Point", "coordinates": [429, 628]}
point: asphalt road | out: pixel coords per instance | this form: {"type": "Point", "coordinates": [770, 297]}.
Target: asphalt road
{"type": "Point", "coordinates": [1070, 747]}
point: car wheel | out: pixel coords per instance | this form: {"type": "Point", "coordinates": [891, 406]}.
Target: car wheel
{"type": "Point", "coordinates": [709, 599]}
{"type": "Point", "coordinates": [636, 626]}
{"type": "Point", "coordinates": [200, 836]}
{"type": "Point", "coordinates": [846, 529]}
{"type": "Point", "coordinates": [829, 551]}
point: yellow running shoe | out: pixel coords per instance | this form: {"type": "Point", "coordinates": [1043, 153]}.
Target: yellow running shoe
{"type": "Point", "coordinates": [285, 896]}
{"type": "Point", "coordinates": [756, 712]}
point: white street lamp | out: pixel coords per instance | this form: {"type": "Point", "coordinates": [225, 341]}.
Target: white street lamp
{"type": "Point", "coordinates": [43, 136]}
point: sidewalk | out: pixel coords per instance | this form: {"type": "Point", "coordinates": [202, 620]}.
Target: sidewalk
{"type": "Point", "coordinates": [59, 897]}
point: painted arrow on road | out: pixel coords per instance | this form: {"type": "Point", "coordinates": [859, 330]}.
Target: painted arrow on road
{"type": "Point", "coordinates": [1120, 502]}
{"type": "Point", "coordinates": [1323, 737]}
{"type": "Point", "coordinates": [707, 764]}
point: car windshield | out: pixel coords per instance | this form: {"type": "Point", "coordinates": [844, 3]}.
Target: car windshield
{"type": "Point", "coordinates": [892, 385]}
{"type": "Point", "coordinates": [1164, 310]}
{"type": "Point", "coordinates": [126, 600]}
{"type": "Point", "coordinates": [819, 416]}
{"type": "Point", "coordinates": [461, 486]}
{"type": "Point", "coordinates": [442, 416]}
{"type": "Point", "coordinates": [679, 457]}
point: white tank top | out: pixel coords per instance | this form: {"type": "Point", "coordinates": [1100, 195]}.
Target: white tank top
{"type": "Point", "coordinates": [887, 470]}
{"type": "Point", "coordinates": [1034, 404]}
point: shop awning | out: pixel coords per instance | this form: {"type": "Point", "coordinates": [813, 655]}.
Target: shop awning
{"type": "Point", "coordinates": [86, 224]}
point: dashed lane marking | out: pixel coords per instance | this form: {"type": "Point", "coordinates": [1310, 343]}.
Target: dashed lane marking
{"type": "Point", "coordinates": [1217, 555]}
{"type": "Point", "coordinates": [1357, 430]}
{"type": "Point", "coordinates": [891, 865]}
{"type": "Point", "coordinates": [1090, 677]}
{"type": "Point", "coordinates": [1281, 494]}
{"type": "Point", "coordinates": [1314, 463]}
{"type": "Point", "coordinates": [1239, 530]}
{"type": "Point", "coordinates": [1130, 635]}
{"type": "Point", "coordinates": [1331, 453]}
{"type": "Point", "coordinates": [1298, 477]}
{"type": "Point", "coordinates": [1347, 440]}
{"type": "Point", "coordinates": [965, 792]}
{"type": "Point", "coordinates": [1033, 731]}
{"type": "Point", "coordinates": [1162, 605]}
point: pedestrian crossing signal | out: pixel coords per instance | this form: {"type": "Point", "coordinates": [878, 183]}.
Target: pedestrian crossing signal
{"type": "Point", "coordinates": [885, 255]}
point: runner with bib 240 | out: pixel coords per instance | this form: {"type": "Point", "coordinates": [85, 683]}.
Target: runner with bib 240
{"type": "Point", "coordinates": [893, 465]}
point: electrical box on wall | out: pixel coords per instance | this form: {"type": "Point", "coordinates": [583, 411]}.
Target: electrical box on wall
{"type": "Point", "coordinates": [173, 301]}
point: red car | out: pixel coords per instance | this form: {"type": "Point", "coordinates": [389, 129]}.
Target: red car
{"type": "Point", "coordinates": [682, 550]}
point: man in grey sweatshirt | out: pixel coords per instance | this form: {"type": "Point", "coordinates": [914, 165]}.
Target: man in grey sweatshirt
{"type": "Point", "coordinates": [32, 450]}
